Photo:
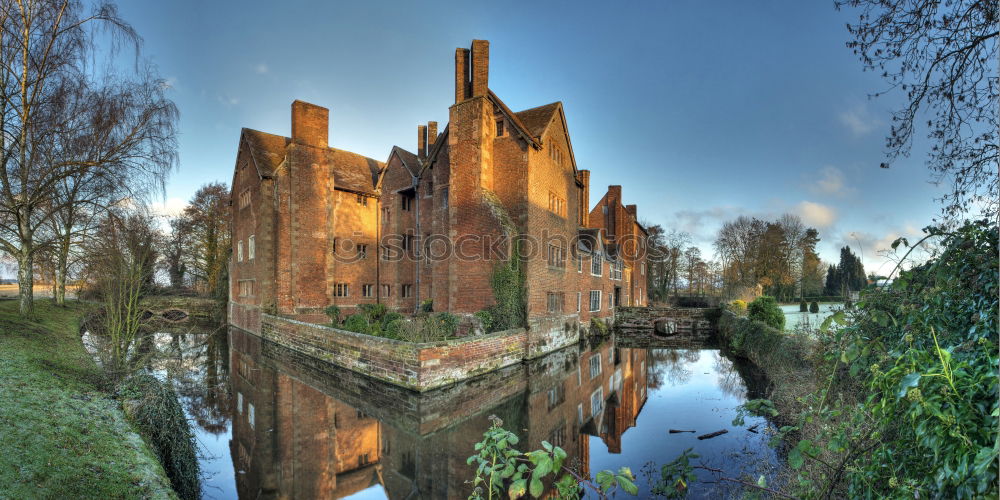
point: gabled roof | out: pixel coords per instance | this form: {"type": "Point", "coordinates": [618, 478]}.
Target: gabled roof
{"type": "Point", "coordinates": [409, 160]}
{"type": "Point", "coordinates": [518, 124]}
{"type": "Point", "coordinates": [536, 120]}
{"type": "Point", "coordinates": [267, 150]}
{"type": "Point", "coordinates": [351, 171]}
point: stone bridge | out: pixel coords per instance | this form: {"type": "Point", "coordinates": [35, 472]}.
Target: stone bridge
{"type": "Point", "coordinates": [693, 327]}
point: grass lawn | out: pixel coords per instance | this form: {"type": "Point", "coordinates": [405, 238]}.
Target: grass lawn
{"type": "Point", "coordinates": [61, 436]}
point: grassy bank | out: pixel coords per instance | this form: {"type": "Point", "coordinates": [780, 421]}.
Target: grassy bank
{"type": "Point", "coordinates": [788, 360]}
{"type": "Point", "coordinates": [63, 437]}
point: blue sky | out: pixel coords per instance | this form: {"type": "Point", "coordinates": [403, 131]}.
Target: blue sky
{"type": "Point", "coordinates": [702, 111]}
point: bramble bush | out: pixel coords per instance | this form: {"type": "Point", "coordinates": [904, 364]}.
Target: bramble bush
{"type": "Point", "coordinates": [909, 403]}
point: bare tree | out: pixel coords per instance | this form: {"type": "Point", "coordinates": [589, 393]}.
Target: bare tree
{"type": "Point", "coordinates": [943, 56]}
{"type": "Point", "coordinates": [120, 262]}
{"type": "Point", "coordinates": [60, 119]}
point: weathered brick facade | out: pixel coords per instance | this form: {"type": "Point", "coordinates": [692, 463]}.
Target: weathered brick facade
{"type": "Point", "coordinates": [333, 227]}
{"type": "Point", "coordinates": [319, 432]}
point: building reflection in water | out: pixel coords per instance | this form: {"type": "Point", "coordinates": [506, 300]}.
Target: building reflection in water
{"type": "Point", "coordinates": [306, 429]}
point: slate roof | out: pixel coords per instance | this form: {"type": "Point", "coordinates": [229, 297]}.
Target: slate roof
{"type": "Point", "coordinates": [351, 171]}
{"type": "Point", "coordinates": [536, 119]}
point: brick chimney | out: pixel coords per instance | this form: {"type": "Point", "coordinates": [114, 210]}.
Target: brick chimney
{"type": "Point", "coordinates": [480, 67]}
{"type": "Point", "coordinates": [421, 141]}
{"type": "Point", "coordinates": [614, 193]}
{"type": "Point", "coordinates": [432, 134]}
{"type": "Point", "coordinates": [462, 87]}
{"type": "Point", "coordinates": [310, 124]}
{"type": "Point", "coordinates": [585, 198]}
{"type": "Point", "coordinates": [631, 210]}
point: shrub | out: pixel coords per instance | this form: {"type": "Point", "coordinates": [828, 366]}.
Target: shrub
{"type": "Point", "coordinates": [486, 319]}
{"type": "Point", "coordinates": [334, 313]}
{"type": "Point", "coordinates": [803, 306]}
{"type": "Point", "coordinates": [373, 312]}
{"type": "Point", "coordinates": [765, 309]}
{"type": "Point", "coordinates": [814, 307]}
{"type": "Point", "coordinates": [152, 407]}
{"type": "Point", "coordinates": [357, 323]}
{"type": "Point", "coordinates": [598, 327]}
{"type": "Point", "coordinates": [739, 307]}
{"type": "Point", "coordinates": [446, 322]}
{"type": "Point", "coordinates": [427, 306]}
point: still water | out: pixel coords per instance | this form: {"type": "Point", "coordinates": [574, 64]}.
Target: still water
{"type": "Point", "coordinates": [273, 423]}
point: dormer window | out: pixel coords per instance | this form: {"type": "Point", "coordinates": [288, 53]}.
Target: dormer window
{"type": "Point", "coordinates": [500, 130]}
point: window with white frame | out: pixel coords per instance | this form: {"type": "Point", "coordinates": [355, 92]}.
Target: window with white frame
{"type": "Point", "coordinates": [595, 366]}
{"type": "Point", "coordinates": [239, 403]}
{"type": "Point", "coordinates": [341, 290]}
{"type": "Point", "coordinates": [239, 251]}
{"type": "Point", "coordinates": [596, 264]}
{"type": "Point", "coordinates": [407, 291]}
{"type": "Point", "coordinates": [597, 401]}
{"type": "Point", "coordinates": [616, 270]}
{"type": "Point", "coordinates": [579, 300]}
{"type": "Point", "coordinates": [595, 300]}
{"type": "Point", "coordinates": [367, 290]}
{"type": "Point", "coordinates": [579, 263]}
{"type": "Point", "coordinates": [250, 415]}
{"type": "Point", "coordinates": [251, 248]}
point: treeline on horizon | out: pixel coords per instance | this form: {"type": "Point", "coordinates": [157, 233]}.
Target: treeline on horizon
{"type": "Point", "coordinates": [752, 256]}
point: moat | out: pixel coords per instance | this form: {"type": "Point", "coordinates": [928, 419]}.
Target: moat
{"type": "Point", "coordinates": [273, 422]}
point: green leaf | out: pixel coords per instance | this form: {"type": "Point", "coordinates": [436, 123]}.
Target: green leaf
{"type": "Point", "coordinates": [795, 459]}
{"type": "Point", "coordinates": [547, 445]}
{"type": "Point", "coordinates": [543, 468]}
{"type": "Point", "coordinates": [518, 488]}
{"type": "Point", "coordinates": [762, 481]}
{"type": "Point", "coordinates": [604, 479]}
{"type": "Point", "coordinates": [908, 381]}
{"type": "Point", "coordinates": [627, 485]}
{"type": "Point", "coordinates": [535, 488]}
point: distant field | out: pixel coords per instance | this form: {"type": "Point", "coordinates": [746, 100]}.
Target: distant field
{"type": "Point", "coordinates": [10, 291]}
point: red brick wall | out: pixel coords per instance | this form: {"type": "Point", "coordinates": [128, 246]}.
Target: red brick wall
{"type": "Point", "coordinates": [416, 366]}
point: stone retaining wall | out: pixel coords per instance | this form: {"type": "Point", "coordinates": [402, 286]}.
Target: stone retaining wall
{"type": "Point", "coordinates": [419, 367]}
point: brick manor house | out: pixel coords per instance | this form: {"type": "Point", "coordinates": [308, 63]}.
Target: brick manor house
{"type": "Point", "coordinates": [313, 225]}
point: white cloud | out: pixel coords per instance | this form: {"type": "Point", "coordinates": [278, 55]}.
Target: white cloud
{"type": "Point", "coordinates": [816, 214]}
{"type": "Point", "coordinates": [261, 68]}
{"type": "Point", "coordinates": [858, 120]}
{"type": "Point", "coordinates": [830, 183]}
{"type": "Point", "coordinates": [171, 207]}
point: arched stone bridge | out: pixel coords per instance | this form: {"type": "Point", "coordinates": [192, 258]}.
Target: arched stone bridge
{"type": "Point", "coordinates": [691, 327]}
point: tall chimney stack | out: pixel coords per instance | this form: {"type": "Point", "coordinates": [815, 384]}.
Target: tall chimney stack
{"type": "Point", "coordinates": [432, 134]}
{"type": "Point", "coordinates": [310, 124]}
{"type": "Point", "coordinates": [461, 75]}
{"type": "Point", "coordinates": [421, 141]}
{"type": "Point", "coordinates": [480, 67]}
